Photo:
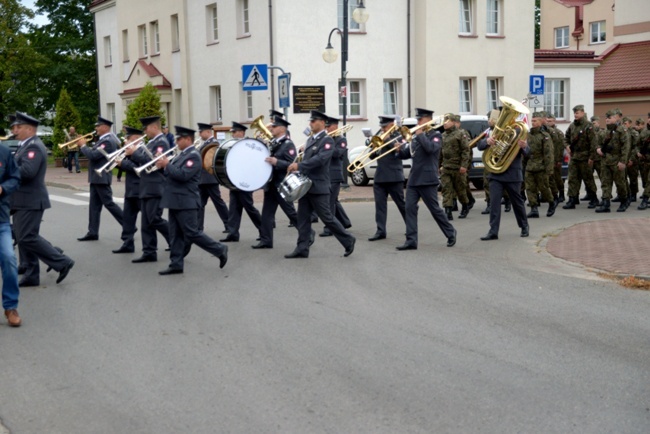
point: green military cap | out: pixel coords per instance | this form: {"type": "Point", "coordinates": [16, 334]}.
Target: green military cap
{"type": "Point", "coordinates": [550, 115]}
{"type": "Point", "coordinates": [640, 121]}
{"type": "Point", "coordinates": [617, 111]}
{"type": "Point", "coordinates": [626, 119]}
{"type": "Point", "coordinates": [450, 116]}
{"type": "Point", "coordinates": [538, 115]}
{"type": "Point", "coordinates": [579, 107]}
{"type": "Point", "coordinates": [595, 118]}
{"type": "Point", "coordinates": [610, 113]}
{"type": "Point", "coordinates": [456, 118]}
{"type": "Point", "coordinates": [543, 114]}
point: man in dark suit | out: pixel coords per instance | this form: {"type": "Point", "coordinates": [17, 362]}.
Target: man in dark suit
{"type": "Point", "coordinates": [131, 195]}
{"type": "Point", "coordinates": [151, 189]}
{"type": "Point", "coordinates": [510, 181]}
{"type": "Point", "coordinates": [389, 180]}
{"type": "Point", "coordinates": [240, 200]}
{"type": "Point", "coordinates": [29, 203]}
{"type": "Point", "coordinates": [208, 185]}
{"type": "Point", "coordinates": [283, 152]}
{"type": "Point", "coordinates": [181, 196]}
{"type": "Point", "coordinates": [101, 193]}
{"type": "Point", "coordinates": [336, 175]}
{"type": "Point", "coordinates": [315, 165]}
{"type": "Point", "coordinates": [424, 150]}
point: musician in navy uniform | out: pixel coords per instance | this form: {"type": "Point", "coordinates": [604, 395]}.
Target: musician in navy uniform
{"type": "Point", "coordinates": [101, 194]}
{"type": "Point", "coordinates": [151, 189]}
{"type": "Point", "coordinates": [336, 175]}
{"type": "Point", "coordinates": [29, 203]}
{"type": "Point", "coordinates": [389, 180]}
{"type": "Point", "coordinates": [424, 150]}
{"type": "Point", "coordinates": [240, 200]}
{"type": "Point", "coordinates": [283, 153]}
{"type": "Point", "coordinates": [181, 196]}
{"type": "Point", "coordinates": [131, 195]}
{"type": "Point", "coordinates": [315, 165]}
{"type": "Point", "coordinates": [208, 185]}
{"type": "Point", "coordinates": [510, 181]}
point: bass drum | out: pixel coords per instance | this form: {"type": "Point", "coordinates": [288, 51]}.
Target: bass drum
{"type": "Point", "coordinates": [239, 164]}
{"type": "Point", "coordinates": [207, 156]}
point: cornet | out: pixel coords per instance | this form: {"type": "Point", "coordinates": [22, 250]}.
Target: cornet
{"type": "Point", "coordinates": [72, 142]}
{"type": "Point", "coordinates": [151, 167]}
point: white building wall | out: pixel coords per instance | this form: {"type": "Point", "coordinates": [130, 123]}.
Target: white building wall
{"type": "Point", "coordinates": [108, 76]}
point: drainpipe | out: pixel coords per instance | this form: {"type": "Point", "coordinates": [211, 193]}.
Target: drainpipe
{"type": "Point", "coordinates": [272, 75]}
{"type": "Point", "coordinates": [408, 57]}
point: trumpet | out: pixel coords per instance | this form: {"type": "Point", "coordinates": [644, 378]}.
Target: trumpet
{"type": "Point", "coordinates": [72, 142]}
{"type": "Point", "coordinates": [115, 157]}
{"type": "Point", "coordinates": [377, 143]}
{"type": "Point", "coordinates": [151, 167]}
{"type": "Point", "coordinates": [9, 137]}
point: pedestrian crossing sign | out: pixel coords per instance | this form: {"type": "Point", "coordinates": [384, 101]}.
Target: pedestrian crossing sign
{"type": "Point", "coordinates": [255, 77]}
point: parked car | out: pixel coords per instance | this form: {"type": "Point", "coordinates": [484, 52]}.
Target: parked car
{"type": "Point", "coordinates": [12, 144]}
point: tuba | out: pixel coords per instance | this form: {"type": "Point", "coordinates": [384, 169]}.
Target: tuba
{"type": "Point", "coordinates": [507, 132]}
{"type": "Point", "coordinates": [262, 133]}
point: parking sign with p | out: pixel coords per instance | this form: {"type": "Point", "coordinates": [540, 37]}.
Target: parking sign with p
{"type": "Point", "coordinates": [536, 85]}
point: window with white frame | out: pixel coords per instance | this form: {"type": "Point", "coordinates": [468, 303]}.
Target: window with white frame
{"type": "Point", "coordinates": [212, 23]}
{"type": "Point", "coordinates": [390, 97]}
{"type": "Point", "coordinates": [216, 114]}
{"type": "Point", "coordinates": [243, 27]}
{"type": "Point", "coordinates": [142, 36]}
{"type": "Point", "coordinates": [352, 25]}
{"type": "Point", "coordinates": [176, 33]}
{"type": "Point", "coordinates": [465, 96]}
{"type": "Point", "coordinates": [108, 55]}
{"type": "Point", "coordinates": [110, 109]}
{"type": "Point", "coordinates": [562, 37]}
{"type": "Point", "coordinates": [597, 32]}
{"type": "Point", "coordinates": [155, 37]}
{"type": "Point", "coordinates": [125, 45]}
{"type": "Point", "coordinates": [555, 97]}
{"type": "Point", "coordinates": [466, 17]}
{"type": "Point", "coordinates": [492, 93]}
{"type": "Point", "coordinates": [356, 99]}
{"type": "Point", "coordinates": [494, 17]}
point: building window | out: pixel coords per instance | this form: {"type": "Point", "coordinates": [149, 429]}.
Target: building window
{"type": "Point", "coordinates": [356, 99]}
{"type": "Point", "coordinates": [492, 93]}
{"type": "Point", "coordinates": [110, 109]}
{"type": "Point", "coordinates": [352, 25]}
{"type": "Point", "coordinates": [249, 105]}
{"type": "Point", "coordinates": [213, 24]}
{"type": "Point", "coordinates": [243, 18]}
{"type": "Point", "coordinates": [555, 97]}
{"type": "Point", "coordinates": [155, 37]}
{"type": "Point", "coordinates": [142, 36]}
{"type": "Point", "coordinates": [390, 97]}
{"type": "Point", "coordinates": [216, 114]}
{"type": "Point", "coordinates": [108, 55]}
{"type": "Point", "coordinates": [465, 96]}
{"type": "Point", "coordinates": [125, 45]}
{"type": "Point", "coordinates": [176, 34]}
{"type": "Point", "coordinates": [562, 37]}
{"type": "Point", "coordinates": [493, 17]}
{"type": "Point", "coordinates": [598, 32]}
{"type": "Point", "coordinates": [465, 16]}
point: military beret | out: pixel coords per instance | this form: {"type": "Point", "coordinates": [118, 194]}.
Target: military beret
{"type": "Point", "coordinates": [595, 118]}
{"type": "Point", "coordinates": [130, 131]}
{"type": "Point", "coordinates": [203, 127]}
{"type": "Point", "coordinates": [279, 121]}
{"type": "Point", "coordinates": [103, 121]}
{"type": "Point", "coordinates": [423, 113]}
{"type": "Point", "coordinates": [149, 120]}
{"type": "Point", "coordinates": [579, 107]}
{"type": "Point", "coordinates": [24, 119]}
{"type": "Point", "coordinates": [236, 126]}
{"type": "Point", "coordinates": [184, 132]}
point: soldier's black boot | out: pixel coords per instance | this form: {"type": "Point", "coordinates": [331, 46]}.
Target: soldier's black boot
{"type": "Point", "coordinates": [551, 208]}
{"type": "Point", "coordinates": [471, 203]}
{"type": "Point", "coordinates": [561, 197]}
{"type": "Point", "coordinates": [632, 198]}
{"type": "Point", "coordinates": [571, 203]}
{"type": "Point", "coordinates": [616, 199]}
{"type": "Point", "coordinates": [585, 197]}
{"type": "Point", "coordinates": [593, 200]}
{"type": "Point", "coordinates": [487, 209]}
{"type": "Point", "coordinates": [464, 211]}
{"type": "Point", "coordinates": [455, 207]}
{"type": "Point", "coordinates": [534, 213]}
{"type": "Point", "coordinates": [604, 207]}
{"type": "Point", "coordinates": [508, 205]}
{"type": "Point", "coordinates": [644, 203]}
{"type": "Point", "coordinates": [623, 206]}
{"type": "Point", "coordinates": [449, 214]}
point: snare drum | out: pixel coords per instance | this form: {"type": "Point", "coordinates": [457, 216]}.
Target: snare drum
{"type": "Point", "coordinates": [294, 186]}
{"type": "Point", "coordinates": [239, 164]}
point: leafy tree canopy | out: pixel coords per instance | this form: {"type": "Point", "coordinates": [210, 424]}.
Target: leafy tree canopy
{"type": "Point", "coordinates": [66, 116]}
{"type": "Point", "coordinates": [147, 103]}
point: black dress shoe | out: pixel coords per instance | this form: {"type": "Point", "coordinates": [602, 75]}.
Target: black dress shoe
{"type": "Point", "coordinates": [223, 258]}
{"type": "Point", "coordinates": [64, 272]}
{"type": "Point", "coordinates": [124, 250]}
{"type": "Point", "coordinates": [524, 232]}
{"type": "Point", "coordinates": [24, 283]}
{"type": "Point", "coordinates": [451, 241]}
{"type": "Point", "coordinates": [407, 247]}
{"type": "Point", "coordinates": [262, 246]}
{"type": "Point", "coordinates": [489, 237]}
{"type": "Point", "coordinates": [144, 259]}
{"type": "Point", "coordinates": [21, 269]}
{"type": "Point", "coordinates": [225, 231]}
{"type": "Point", "coordinates": [170, 270]}
{"type": "Point", "coordinates": [325, 234]}
{"type": "Point", "coordinates": [314, 220]}
{"type": "Point", "coordinates": [291, 225]}
{"type": "Point", "coordinates": [296, 254]}
{"type": "Point", "coordinates": [229, 239]}
{"type": "Point", "coordinates": [377, 237]}
{"type": "Point", "coordinates": [88, 237]}
{"type": "Point", "coordinates": [348, 226]}
{"type": "Point", "coordinates": [350, 248]}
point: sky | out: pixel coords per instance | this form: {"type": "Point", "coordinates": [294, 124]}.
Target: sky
{"type": "Point", "coordinates": [38, 19]}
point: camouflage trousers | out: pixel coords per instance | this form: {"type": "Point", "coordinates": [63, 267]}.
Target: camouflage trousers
{"type": "Point", "coordinates": [557, 180]}
{"type": "Point", "coordinates": [609, 174]}
{"type": "Point", "coordinates": [537, 182]}
{"type": "Point", "coordinates": [632, 178]}
{"type": "Point", "coordinates": [580, 171]}
{"type": "Point", "coordinates": [453, 184]}
{"type": "Point", "coordinates": [644, 169]}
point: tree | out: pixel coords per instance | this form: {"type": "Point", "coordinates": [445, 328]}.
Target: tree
{"type": "Point", "coordinates": [66, 116]}
{"type": "Point", "coordinates": [147, 103]}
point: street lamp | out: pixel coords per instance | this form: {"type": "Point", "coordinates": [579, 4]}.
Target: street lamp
{"type": "Point", "coordinates": [360, 15]}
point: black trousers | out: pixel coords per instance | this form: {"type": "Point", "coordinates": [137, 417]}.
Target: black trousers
{"type": "Point", "coordinates": [513, 189]}
{"type": "Point", "coordinates": [150, 222]}
{"type": "Point", "coordinates": [272, 200]}
{"type": "Point", "coordinates": [129, 222]}
{"type": "Point", "coordinates": [336, 208]}
{"type": "Point", "coordinates": [239, 201]}
{"type": "Point", "coordinates": [321, 205]}
{"type": "Point", "coordinates": [429, 195]}
{"type": "Point", "coordinates": [212, 192]}
{"type": "Point", "coordinates": [101, 195]}
{"type": "Point", "coordinates": [33, 247]}
{"type": "Point", "coordinates": [183, 229]}
{"type": "Point", "coordinates": [381, 191]}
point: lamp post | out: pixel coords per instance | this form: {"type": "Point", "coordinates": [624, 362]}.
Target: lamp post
{"type": "Point", "coordinates": [360, 15]}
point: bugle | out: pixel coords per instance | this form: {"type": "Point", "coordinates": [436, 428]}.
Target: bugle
{"type": "Point", "coordinates": [72, 142]}
{"type": "Point", "coordinates": [151, 167]}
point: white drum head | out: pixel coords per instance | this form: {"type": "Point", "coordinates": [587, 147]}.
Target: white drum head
{"type": "Point", "coordinates": [245, 165]}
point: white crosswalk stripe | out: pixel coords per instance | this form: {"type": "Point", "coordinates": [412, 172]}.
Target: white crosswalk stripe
{"type": "Point", "coordinates": [76, 202]}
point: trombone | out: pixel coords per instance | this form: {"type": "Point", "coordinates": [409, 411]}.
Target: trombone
{"type": "Point", "coordinates": [151, 167]}
{"type": "Point", "coordinates": [117, 156]}
{"type": "Point", "coordinates": [72, 142]}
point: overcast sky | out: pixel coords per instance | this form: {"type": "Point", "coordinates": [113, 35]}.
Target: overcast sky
{"type": "Point", "coordinates": [38, 19]}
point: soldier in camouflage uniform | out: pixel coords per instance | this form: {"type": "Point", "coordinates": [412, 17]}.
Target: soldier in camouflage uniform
{"type": "Point", "coordinates": [557, 136]}
{"type": "Point", "coordinates": [614, 150]}
{"type": "Point", "coordinates": [470, 196]}
{"type": "Point", "coordinates": [600, 136]}
{"type": "Point", "coordinates": [539, 167]}
{"type": "Point", "coordinates": [454, 158]}
{"type": "Point", "coordinates": [644, 159]}
{"type": "Point", "coordinates": [580, 143]}
{"type": "Point", "coordinates": [632, 170]}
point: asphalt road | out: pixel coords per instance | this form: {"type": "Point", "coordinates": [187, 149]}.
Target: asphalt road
{"type": "Point", "coordinates": [482, 337]}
